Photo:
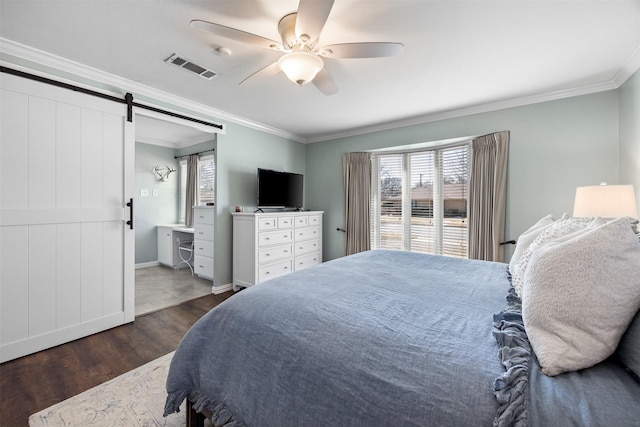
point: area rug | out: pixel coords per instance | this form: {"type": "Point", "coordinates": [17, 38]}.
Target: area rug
{"type": "Point", "coordinates": [135, 398]}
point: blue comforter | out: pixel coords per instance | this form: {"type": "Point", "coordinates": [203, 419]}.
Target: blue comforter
{"type": "Point", "coordinates": [376, 339]}
{"type": "Point", "coordinates": [385, 338]}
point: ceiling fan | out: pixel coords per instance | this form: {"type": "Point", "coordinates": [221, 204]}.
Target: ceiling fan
{"type": "Point", "coordinates": [302, 61]}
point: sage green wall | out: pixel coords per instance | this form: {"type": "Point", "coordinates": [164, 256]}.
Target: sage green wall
{"type": "Point", "coordinates": [630, 133]}
{"type": "Point", "coordinates": [555, 147]}
{"type": "Point", "coordinates": [239, 153]}
{"type": "Point", "coordinates": [153, 210]}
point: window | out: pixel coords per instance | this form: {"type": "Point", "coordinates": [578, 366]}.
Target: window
{"type": "Point", "coordinates": [206, 182]}
{"type": "Point", "coordinates": [419, 201]}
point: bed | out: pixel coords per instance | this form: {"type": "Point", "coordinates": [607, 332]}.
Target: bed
{"type": "Point", "coordinates": [387, 338]}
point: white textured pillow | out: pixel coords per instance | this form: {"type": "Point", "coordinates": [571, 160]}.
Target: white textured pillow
{"type": "Point", "coordinates": [526, 238]}
{"type": "Point", "coordinates": [560, 229]}
{"type": "Point", "coordinates": [580, 295]}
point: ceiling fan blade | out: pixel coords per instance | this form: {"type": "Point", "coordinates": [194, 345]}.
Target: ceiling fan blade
{"type": "Point", "coordinates": [235, 34]}
{"type": "Point", "coordinates": [361, 50]}
{"type": "Point", "coordinates": [268, 71]}
{"type": "Point", "coordinates": [312, 15]}
{"type": "Point", "coordinates": [325, 83]}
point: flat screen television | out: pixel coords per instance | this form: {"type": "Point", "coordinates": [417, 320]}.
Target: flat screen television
{"type": "Point", "coordinates": [280, 189]}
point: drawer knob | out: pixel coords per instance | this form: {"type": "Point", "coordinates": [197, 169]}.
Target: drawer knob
{"type": "Point", "coordinates": [267, 238]}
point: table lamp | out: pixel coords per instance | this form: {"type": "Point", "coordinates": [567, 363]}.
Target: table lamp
{"type": "Point", "coordinates": [606, 201]}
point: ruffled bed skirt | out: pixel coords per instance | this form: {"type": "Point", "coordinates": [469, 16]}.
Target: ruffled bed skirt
{"type": "Point", "coordinates": [510, 388]}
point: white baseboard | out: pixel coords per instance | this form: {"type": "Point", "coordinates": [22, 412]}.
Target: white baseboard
{"type": "Point", "coordinates": [147, 264]}
{"type": "Point", "coordinates": [221, 288]}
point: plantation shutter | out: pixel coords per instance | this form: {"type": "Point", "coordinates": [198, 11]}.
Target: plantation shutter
{"type": "Point", "coordinates": [391, 228]}
{"type": "Point", "coordinates": [419, 201]}
{"type": "Point", "coordinates": [423, 238]}
{"type": "Point", "coordinates": [455, 167]}
{"type": "Point", "coordinates": [207, 174]}
{"type": "Point", "coordinates": [207, 179]}
{"type": "Point", "coordinates": [183, 189]}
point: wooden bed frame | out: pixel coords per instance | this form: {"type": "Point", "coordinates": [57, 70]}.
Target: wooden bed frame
{"type": "Point", "coordinates": [193, 418]}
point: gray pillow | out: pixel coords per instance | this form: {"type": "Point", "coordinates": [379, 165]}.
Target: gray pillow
{"type": "Point", "coordinates": [629, 348]}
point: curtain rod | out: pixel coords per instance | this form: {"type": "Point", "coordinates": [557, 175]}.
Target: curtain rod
{"type": "Point", "coordinates": [194, 154]}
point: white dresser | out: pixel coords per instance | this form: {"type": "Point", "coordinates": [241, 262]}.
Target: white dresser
{"type": "Point", "coordinates": [203, 230]}
{"type": "Point", "coordinates": [270, 244]}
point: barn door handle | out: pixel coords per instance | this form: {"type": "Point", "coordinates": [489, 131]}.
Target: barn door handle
{"type": "Point", "coordinates": [130, 222]}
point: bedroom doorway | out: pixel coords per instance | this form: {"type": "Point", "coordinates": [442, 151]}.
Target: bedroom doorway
{"type": "Point", "coordinates": [161, 142]}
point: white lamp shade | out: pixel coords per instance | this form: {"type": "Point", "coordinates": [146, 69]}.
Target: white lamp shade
{"type": "Point", "coordinates": [300, 67]}
{"type": "Point", "coordinates": [606, 201]}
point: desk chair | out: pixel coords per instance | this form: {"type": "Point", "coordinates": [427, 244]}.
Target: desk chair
{"type": "Point", "coordinates": [185, 252]}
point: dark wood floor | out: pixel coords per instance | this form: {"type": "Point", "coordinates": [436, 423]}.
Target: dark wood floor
{"type": "Point", "coordinates": [35, 382]}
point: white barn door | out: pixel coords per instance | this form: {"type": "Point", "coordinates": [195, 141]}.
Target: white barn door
{"type": "Point", "coordinates": [66, 252]}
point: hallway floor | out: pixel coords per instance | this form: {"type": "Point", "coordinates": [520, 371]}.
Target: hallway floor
{"type": "Point", "coordinates": [160, 287]}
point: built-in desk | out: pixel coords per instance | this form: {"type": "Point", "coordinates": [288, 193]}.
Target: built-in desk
{"type": "Point", "coordinates": [203, 236]}
{"type": "Point", "coordinates": [168, 245]}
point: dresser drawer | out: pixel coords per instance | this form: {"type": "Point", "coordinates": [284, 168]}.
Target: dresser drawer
{"type": "Point", "coordinates": [306, 261]}
{"type": "Point", "coordinates": [307, 247]}
{"type": "Point", "coordinates": [269, 271]}
{"type": "Point", "coordinates": [203, 247]}
{"type": "Point", "coordinates": [315, 219]}
{"type": "Point", "coordinates": [302, 221]}
{"type": "Point", "coordinates": [203, 232]}
{"type": "Point", "coordinates": [274, 237]}
{"type": "Point", "coordinates": [274, 253]}
{"type": "Point", "coordinates": [203, 216]}
{"type": "Point", "coordinates": [269, 223]}
{"type": "Point", "coordinates": [203, 266]}
{"type": "Point", "coordinates": [285, 222]}
{"type": "Point", "coordinates": [307, 233]}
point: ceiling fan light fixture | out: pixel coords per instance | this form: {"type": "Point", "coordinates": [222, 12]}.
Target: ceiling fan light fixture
{"type": "Point", "coordinates": [300, 67]}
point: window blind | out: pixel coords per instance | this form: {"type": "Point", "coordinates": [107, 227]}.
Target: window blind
{"type": "Point", "coordinates": [206, 182]}
{"type": "Point", "coordinates": [419, 201]}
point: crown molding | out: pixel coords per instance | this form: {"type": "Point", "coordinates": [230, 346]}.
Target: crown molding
{"type": "Point", "coordinates": [476, 109]}
{"type": "Point", "coordinates": [46, 64]}
{"type": "Point", "coordinates": [177, 146]}
{"type": "Point", "coordinates": [629, 68]}
{"type": "Point", "coordinates": [27, 58]}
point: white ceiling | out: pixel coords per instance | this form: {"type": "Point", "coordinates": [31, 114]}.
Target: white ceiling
{"type": "Point", "coordinates": [460, 56]}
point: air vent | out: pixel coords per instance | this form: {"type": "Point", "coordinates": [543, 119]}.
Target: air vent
{"type": "Point", "coordinates": [188, 65]}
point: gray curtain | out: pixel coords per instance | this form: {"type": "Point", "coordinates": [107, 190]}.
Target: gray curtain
{"type": "Point", "coordinates": [191, 196]}
{"type": "Point", "coordinates": [488, 196]}
{"type": "Point", "coordinates": [356, 168]}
